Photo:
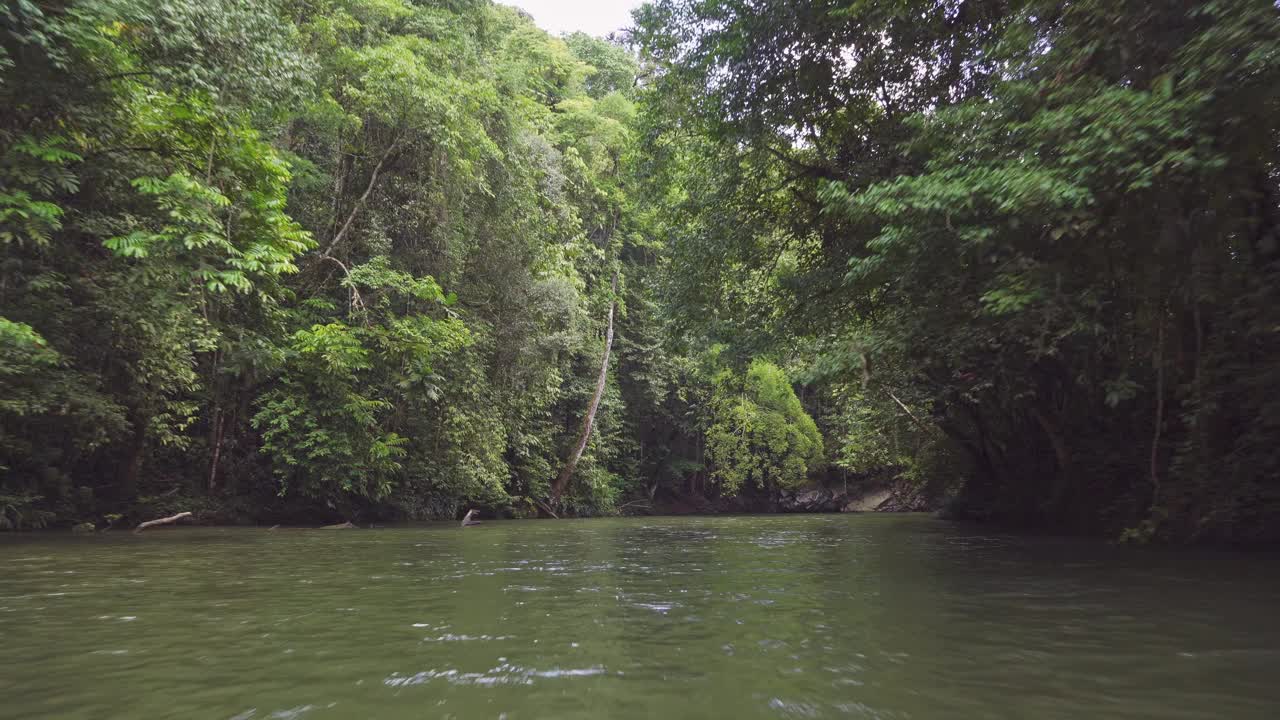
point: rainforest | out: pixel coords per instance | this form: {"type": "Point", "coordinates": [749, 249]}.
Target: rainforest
{"type": "Point", "coordinates": [307, 262]}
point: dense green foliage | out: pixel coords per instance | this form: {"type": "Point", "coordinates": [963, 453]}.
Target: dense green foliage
{"type": "Point", "coordinates": [306, 259]}
{"type": "Point", "coordinates": [1047, 234]}
{"type": "Point", "coordinates": [309, 259]}
{"type": "Point", "coordinates": [760, 435]}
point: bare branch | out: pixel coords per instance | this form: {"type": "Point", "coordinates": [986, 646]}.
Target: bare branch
{"type": "Point", "coordinates": [356, 300]}
{"type": "Point", "coordinates": [373, 180]}
{"type": "Point", "coordinates": [907, 410]}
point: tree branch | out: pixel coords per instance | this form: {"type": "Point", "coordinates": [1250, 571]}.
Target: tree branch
{"type": "Point", "coordinates": [907, 410]}
{"type": "Point", "coordinates": [355, 210]}
{"type": "Point", "coordinates": [356, 300]}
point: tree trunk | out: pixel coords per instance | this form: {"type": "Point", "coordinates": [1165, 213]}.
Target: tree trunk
{"type": "Point", "coordinates": [1159, 419]}
{"type": "Point", "coordinates": [219, 426]}
{"type": "Point", "coordinates": [562, 481]}
{"type": "Point", "coordinates": [1060, 452]}
{"type": "Point", "coordinates": [980, 460]}
{"type": "Point", "coordinates": [128, 487]}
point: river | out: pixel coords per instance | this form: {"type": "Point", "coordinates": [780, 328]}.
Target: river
{"type": "Point", "coordinates": [867, 616]}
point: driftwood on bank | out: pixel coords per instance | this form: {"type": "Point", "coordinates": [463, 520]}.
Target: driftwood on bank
{"type": "Point", "coordinates": [162, 521]}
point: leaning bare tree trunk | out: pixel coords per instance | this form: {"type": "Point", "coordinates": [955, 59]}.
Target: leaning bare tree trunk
{"type": "Point", "coordinates": [562, 481]}
{"type": "Point", "coordinates": [162, 521]}
{"type": "Point", "coordinates": [219, 427]}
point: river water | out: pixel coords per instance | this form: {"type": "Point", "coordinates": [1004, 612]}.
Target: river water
{"type": "Point", "coordinates": [815, 616]}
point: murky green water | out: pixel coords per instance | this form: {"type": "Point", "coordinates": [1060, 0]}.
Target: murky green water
{"type": "Point", "coordinates": [760, 617]}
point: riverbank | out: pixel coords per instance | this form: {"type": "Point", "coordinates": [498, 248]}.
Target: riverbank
{"type": "Point", "coordinates": [891, 497]}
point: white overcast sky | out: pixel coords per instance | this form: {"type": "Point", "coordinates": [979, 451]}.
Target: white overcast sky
{"type": "Point", "coordinates": [596, 17]}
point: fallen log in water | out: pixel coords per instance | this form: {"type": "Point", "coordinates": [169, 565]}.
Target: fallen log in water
{"type": "Point", "coordinates": [161, 521]}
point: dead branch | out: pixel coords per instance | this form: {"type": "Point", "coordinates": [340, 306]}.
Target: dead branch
{"type": "Point", "coordinates": [356, 300]}
{"type": "Point", "coordinates": [919, 423]}
{"type": "Point", "coordinates": [355, 209]}
{"type": "Point", "coordinates": [161, 521]}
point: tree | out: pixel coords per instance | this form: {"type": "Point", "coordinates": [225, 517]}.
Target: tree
{"type": "Point", "coordinates": [760, 435]}
{"type": "Point", "coordinates": [1044, 231]}
{"type": "Point", "coordinates": [588, 420]}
